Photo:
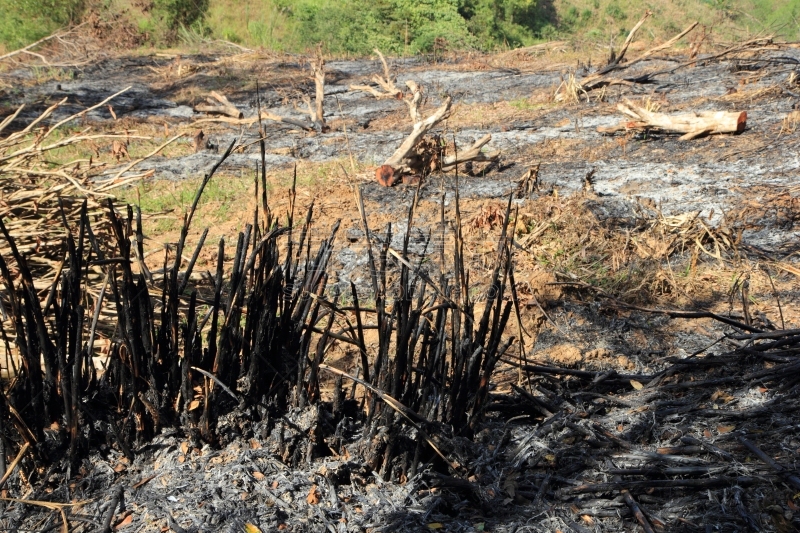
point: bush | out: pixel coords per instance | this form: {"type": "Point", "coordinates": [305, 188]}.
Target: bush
{"type": "Point", "coordinates": [174, 14]}
{"type": "Point", "coordinates": [26, 21]}
{"type": "Point", "coordinates": [614, 11]}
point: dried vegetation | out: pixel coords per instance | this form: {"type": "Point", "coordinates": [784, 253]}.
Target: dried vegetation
{"type": "Point", "coordinates": [243, 373]}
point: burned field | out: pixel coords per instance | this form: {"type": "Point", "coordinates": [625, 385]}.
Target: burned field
{"type": "Point", "coordinates": [571, 325]}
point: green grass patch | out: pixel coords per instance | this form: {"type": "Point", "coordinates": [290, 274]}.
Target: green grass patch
{"type": "Point", "coordinates": [167, 200]}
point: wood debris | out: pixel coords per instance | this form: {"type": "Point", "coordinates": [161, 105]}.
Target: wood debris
{"type": "Point", "coordinates": [386, 83]}
{"type": "Point", "coordinates": [218, 104]}
{"type": "Point", "coordinates": [692, 125]}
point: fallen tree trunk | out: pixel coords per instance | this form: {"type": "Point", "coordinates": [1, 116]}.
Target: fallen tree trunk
{"type": "Point", "coordinates": [219, 105]}
{"type": "Point", "coordinates": [266, 115]}
{"type": "Point", "coordinates": [692, 125]}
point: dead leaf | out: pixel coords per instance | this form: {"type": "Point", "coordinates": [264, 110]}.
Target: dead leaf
{"type": "Point", "coordinates": [254, 444]}
{"type": "Point", "coordinates": [194, 404]}
{"type": "Point", "coordinates": [636, 385]}
{"type": "Point", "coordinates": [184, 447]}
{"type": "Point", "coordinates": [314, 496]}
{"type": "Point", "coordinates": [250, 528]}
{"type": "Point", "coordinates": [726, 429]}
{"type": "Point", "coordinates": [721, 395]}
{"type": "Point", "coordinates": [258, 475]}
{"type": "Point", "coordinates": [435, 525]}
{"type": "Point", "coordinates": [120, 468]}
{"type": "Point", "coordinates": [706, 433]}
{"type": "Point", "coordinates": [588, 519]}
{"type": "Point", "coordinates": [124, 522]}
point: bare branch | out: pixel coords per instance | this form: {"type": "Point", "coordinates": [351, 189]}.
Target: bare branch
{"type": "Point", "coordinates": [420, 128]}
{"type": "Point", "coordinates": [473, 153]}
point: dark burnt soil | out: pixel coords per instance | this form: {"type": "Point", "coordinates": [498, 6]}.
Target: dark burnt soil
{"type": "Point", "coordinates": [667, 400]}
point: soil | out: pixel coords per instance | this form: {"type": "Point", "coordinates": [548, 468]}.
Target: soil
{"type": "Point", "coordinates": [744, 186]}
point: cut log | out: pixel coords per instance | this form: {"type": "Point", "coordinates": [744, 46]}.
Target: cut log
{"type": "Point", "coordinates": [690, 124]}
{"type": "Point", "coordinates": [385, 175]}
{"type": "Point", "coordinates": [218, 104]}
{"type": "Point", "coordinates": [473, 153]}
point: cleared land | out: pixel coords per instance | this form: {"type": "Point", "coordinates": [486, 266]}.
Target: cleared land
{"type": "Point", "coordinates": [608, 391]}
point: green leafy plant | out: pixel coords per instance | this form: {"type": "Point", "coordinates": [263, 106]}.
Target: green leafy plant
{"type": "Point", "coordinates": [25, 21]}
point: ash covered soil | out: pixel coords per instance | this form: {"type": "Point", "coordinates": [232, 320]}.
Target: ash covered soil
{"type": "Point", "coordinates": [665, 399]}
{"type": "Point", "coordinates": [504, 96]}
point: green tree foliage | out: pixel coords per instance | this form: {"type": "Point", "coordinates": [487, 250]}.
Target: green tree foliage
{"type": "Point", "coordinates": [504, 22]}
{"type": "Point", "coordinates": [410, 26]}
{"type": "Point", "coordinates": [177, 13]}
{"type": "Point", "coordinates": [25, 21]}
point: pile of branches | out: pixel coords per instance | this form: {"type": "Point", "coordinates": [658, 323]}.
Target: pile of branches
{"type": "Point", "coordinates": [612, 73]}
{"type": "Point", "coordinates": [38, 196]}
{"type": "Point", "coordinates": [185, 355]}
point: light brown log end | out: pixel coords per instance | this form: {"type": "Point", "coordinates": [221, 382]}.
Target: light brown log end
{"type": "Point", "coordinates": [385, 175]}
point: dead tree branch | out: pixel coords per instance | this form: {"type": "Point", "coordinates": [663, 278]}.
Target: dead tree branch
{"type": "Point", "coordinates": [473, 153]}
{"type": "Point", "coordinates": [616, 62]}
{"type": "Point", "coordinates": [26, 49]}
{"type": "Point", "coordinates": [218, 104]}
{"type": "Point", "coordinates": [386, 83]}
{"type": "Point", "coordinates": [421, 127]}
{"type": "Point", "coordinates": [316, 111]}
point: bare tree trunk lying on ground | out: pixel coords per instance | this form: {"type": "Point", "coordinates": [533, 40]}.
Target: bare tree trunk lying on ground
{"type": "Point", "coordinates": [386, 83]}
{"type": "Point", "coordinates": [294, 122]}
{"type": "Point", "coordinates": [218, 104]}
{"type": "Point", "coordinates": [265, 115]}
{"type": "Point", "coordinates": [691, 124]}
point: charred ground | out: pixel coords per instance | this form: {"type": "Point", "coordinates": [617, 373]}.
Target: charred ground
{"type": "Point", "coordinates": [651, 306]}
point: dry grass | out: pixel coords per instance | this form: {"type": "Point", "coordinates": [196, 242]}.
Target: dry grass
{"type": "Point", "coordinates": [678, 261]}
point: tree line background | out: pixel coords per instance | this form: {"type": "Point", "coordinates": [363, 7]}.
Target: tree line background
{"type": "Point", "coordinates": [395, 26]}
